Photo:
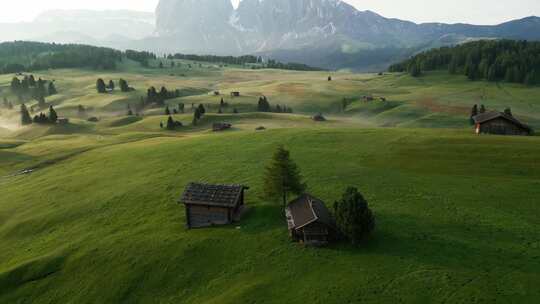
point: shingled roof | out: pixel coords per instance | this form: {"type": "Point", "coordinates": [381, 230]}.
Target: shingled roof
{"type": "Point", "coordinates": [305, 210]}
{"type": "Point", "coordinates": [485, 117]}
{"type": "Point", "coordinates": [212, 195]}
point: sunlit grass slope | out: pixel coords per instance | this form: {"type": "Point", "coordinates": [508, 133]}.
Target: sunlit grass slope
{"type": "Point", "coordinates": [457, 219]}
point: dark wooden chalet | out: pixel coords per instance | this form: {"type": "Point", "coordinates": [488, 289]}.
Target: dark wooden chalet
{"type": "Point", "coordinates": [211, 205]}
{"type": "Point", "coordinates": [501, 124]}
{"type": "Point", "coordinates": [221, 126]}
{"type": "Point", "coordinates": [309, 221]}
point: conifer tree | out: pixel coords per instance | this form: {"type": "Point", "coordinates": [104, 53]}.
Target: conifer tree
{"type": "Point", "coordinates": [100, 86]}
{"type": "Point", "coordinates": [26, 119]}
{"type": "Point", "coordinates": [170, 124]}
{"type": "Point", "coordinates": [167, 110]}
{"type": "Point", "coordinates": [31, 81]}
{"type": "Point", "coordinates": [52, 89]}
{"type": "Point", "coordinates": [282, 177]}
{"type": "Point", "coordinates": [474, 112]}
{"type": "Point", "coordinates": [353, 216]}
{"type": "Point", "coordinates": [201, 109]}
{"type": "Point", "coordinates": [196, 116]}
{"type": "Point", "coordinates": [482, 109]}
{"type": "Point", "coordinates": [15, 85]}
{"type": "Point", "coordinates": [111, 85]}
{"type": "Point", "coordinates": [53, 117]}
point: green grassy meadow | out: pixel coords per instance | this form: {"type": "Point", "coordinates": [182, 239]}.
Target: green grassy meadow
{"type": "Point", "coordinates": [97, 221]}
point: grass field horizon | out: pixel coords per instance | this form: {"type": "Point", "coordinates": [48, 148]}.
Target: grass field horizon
{"type": "Point", "coordinates": [98, 219]}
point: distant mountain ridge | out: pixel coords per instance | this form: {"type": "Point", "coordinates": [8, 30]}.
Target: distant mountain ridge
{"type": "Point", "coordinates": [286, 27]}
{"type": "Point", "coordinates": [327, 33]}
{"type": "Point", "coordinates": [81, 26]}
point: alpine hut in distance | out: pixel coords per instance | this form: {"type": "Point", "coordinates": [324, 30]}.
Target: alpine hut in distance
{"type": "Point", "coordinates": [211, 205]}
{"type": "Point", "coordinates": [500, 124]}
{"type": "Point", "coordinates": [309, 221]}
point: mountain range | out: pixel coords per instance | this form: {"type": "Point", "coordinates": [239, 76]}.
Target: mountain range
{"type": "Point", "coordinates": [325, 33]}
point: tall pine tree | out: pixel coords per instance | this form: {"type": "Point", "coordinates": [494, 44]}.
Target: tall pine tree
{"type": "Point", "coordinates": [282, 177]}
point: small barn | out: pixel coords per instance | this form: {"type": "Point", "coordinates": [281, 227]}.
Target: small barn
{"type": "Point", "coordinates": [211, 205]}
{"type": "Point", "coordinates": [309, 221]}
{"type": "Point", "coordinates": [235, 94]}
{"type": "Point", "coordinates": [221, 126]}
{"type": "Point", "coordinates": [500, 124]}
{"type": "Point", "coordinates": [318, 117]}
{"type": "Point", "coordinates": [63, 121]}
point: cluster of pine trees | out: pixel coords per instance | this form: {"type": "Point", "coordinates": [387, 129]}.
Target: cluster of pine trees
{"type": "Point", "coordinates": [159, 98]}
{"type": "Point", "coordinates": [29, 87]}
{"type": "Point", "coordinates": [492, 60]}
{"type": "Point", "coordinates": [26, 118]}
{"type": "Point", "coordinates": [102, 88]}
{"type": "Point", "coordinates": [264, 106]}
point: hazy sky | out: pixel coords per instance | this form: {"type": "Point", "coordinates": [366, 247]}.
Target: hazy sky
{"type": "Point", "coordinates": [451, 11]}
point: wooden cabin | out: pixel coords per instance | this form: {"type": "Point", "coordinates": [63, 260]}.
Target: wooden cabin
{"type": "Point", "coordinates": [318, 117]}
{"type": "Point", "coordinates": [309, 221]}
{"type": "Point", "coordinates": [235, 94]}
{"type": "Point", "coordinates": [500, 124]}
{"type": "Point", "coordinates": [63, 121]}
{"type": "Point", "coordinates": [221, 126]}
{"type": "Point", "coordinates": [211, 205]}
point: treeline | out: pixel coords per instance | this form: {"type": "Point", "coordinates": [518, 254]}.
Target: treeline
{"type": "Point", "coordinates": [272, 64]}
{"type": "Point", "coordinates": [141, 57]}
{"type": "Point", "coordinates": [21, 56]}
{"type": "Point", "coordinates": [240, 60]}
{"type": "Point", "coordinates": [492, 60]}
{"type": "Point", "coordinates": [257, 61]}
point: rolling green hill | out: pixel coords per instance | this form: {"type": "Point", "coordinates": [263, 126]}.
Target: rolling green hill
{"type": "Point", "coordinates": [97, 219]}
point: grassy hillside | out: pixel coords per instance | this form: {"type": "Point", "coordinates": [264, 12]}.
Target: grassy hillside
{"type": "Point", "coordinates": [437, 100]}
{"type": "Point", "coordinates": [97, 219]}
{"type": "Point", "coordinates": [456, 220]}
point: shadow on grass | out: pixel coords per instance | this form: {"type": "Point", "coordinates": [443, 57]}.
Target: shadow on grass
{"type": "Point", "coordinates": [452, 245]}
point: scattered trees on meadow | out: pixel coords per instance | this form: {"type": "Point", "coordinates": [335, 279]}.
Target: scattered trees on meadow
{"type": "Point", "coordinates": [173, 124]}
{"type": "Point", "coordinates": [264, 106]}
{"type": "Point", "coordinates": [28, 88]}
{"type": "Point", "coordinates": [353, 217]}
{"type": "Point", "coordinates": [282, 177]}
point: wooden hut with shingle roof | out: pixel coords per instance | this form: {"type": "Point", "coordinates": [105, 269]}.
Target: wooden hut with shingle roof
{"type": "Point", "coordinates": [210, 205]}
{"type": "Point", "coordinates": [309, 221]}
{"type": "Point", "coordinates": [500, 124]}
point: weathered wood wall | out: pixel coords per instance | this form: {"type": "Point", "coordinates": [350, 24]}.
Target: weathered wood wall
{"type": "Point", "coordinates": [501, 126]}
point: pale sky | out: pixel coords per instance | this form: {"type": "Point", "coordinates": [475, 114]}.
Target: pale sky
{"type": "Point", "coordinates": [448, 11]}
